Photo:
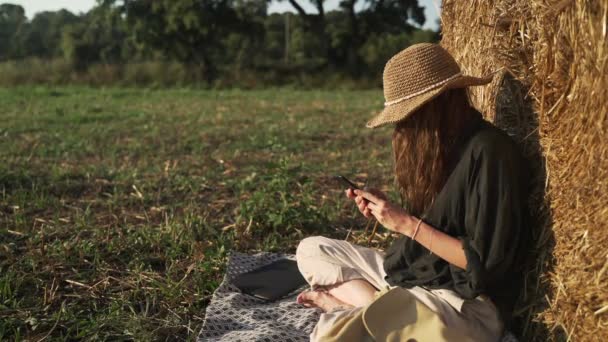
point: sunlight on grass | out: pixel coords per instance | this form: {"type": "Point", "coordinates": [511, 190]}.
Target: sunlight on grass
{"type": "Point", "coordinates": [118, 207]}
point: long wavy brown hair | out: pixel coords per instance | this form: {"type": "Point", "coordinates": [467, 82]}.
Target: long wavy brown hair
{"type": "Point", "coordinates": [422, 147]}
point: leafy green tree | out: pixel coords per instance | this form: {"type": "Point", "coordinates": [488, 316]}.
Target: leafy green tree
{"type": "Point", "coordinates": [244, 45]}
{"type": "Point", "coordinates": [274, 39]}
{"type": "Point", "coordinates": [101, 37]}
{"type": "Point", "coordinates": [221, 37]}
{"type": "Point", "coordinates": [41, 37]}
{"type": "Point", "coordinates": [190, 31]}
{"type": "Point", "coordinates": [12, 19]}
{"type": "Point", "coordinates": [343, 34]}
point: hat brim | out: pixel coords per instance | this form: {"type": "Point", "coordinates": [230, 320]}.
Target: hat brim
{"type": "Point", "coordinates": [401, 110]}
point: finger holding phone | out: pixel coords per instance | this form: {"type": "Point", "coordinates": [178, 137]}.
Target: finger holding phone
{"type": "Point", "coordinates": [362, 202]}
{"type": "Point", "coordinates": [390, 215]}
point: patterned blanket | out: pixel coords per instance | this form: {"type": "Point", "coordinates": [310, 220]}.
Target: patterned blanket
{"type": "Point", "coordinates": [233, 316]}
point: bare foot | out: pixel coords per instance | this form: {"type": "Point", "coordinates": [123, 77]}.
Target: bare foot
{"type": "Point", "coordinates": [320, 299]}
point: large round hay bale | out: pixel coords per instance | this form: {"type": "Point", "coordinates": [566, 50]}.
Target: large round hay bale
{"type": "Point", "coordinates": [552, 95]}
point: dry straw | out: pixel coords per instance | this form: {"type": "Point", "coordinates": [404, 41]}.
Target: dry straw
{"type": "Point", "coordinates": [554, 99]}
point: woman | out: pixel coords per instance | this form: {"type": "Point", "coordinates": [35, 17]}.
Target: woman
{"type": "Point", "coordinates": [464, 229]}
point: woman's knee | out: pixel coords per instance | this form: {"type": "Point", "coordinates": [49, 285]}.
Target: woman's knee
{"type": "Point", "coordinates": [313, 263]}
{"type": "Point", "coordinates": [311, 247]}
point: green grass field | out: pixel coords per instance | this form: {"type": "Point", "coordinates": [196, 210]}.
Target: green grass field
{"type": "Point", "coordinates": [118, 207]}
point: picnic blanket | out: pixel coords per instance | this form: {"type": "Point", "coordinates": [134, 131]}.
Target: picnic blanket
{"type": "Point", "coordinates": [233, 316]}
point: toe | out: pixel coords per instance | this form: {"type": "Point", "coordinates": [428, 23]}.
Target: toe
{"type": "Point", "coordinates": [301, 297]}
{"type": "Point", "coordinates": [309, 298]}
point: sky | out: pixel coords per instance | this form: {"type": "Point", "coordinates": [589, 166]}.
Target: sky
{"type": "Point", "coordinates": [33, 6]}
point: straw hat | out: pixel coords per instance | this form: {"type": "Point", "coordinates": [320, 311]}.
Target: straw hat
{"type": "Point", "coordinates": [415, 76]}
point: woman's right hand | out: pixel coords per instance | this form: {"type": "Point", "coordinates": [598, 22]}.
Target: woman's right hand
{"type": "Point", "coordinates": [362, 202]}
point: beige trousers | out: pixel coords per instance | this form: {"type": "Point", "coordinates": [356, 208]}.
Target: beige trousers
{"type": "Point", "coordinates": [324, 262]}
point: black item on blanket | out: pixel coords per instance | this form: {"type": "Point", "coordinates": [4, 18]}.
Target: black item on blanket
{"type": "Point", "coordinates": [272, 281]}
{"type": "Point", "coordinates": [234, 316]}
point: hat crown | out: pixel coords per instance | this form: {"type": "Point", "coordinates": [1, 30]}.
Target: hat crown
{"type": "Point", "coordinates": [418, 68]}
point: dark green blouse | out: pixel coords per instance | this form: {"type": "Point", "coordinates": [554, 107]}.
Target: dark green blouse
{"type": "Point", "coordinates": [484, 204]}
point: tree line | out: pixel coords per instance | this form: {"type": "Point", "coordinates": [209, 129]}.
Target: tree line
{"type": "Point", "coordinates": [220, 38]}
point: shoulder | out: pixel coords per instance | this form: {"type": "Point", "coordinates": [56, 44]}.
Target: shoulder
{"type": "Point", "coordinates": [495, 165]}
{"type": "Point", "coordinates": [491, 142]}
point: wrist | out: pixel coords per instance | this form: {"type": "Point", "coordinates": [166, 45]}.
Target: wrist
{"type": "Point", "coordinates": [408, 225]}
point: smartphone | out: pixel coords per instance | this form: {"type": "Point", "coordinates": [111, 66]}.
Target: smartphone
{"type": "Point", "coordinates": [347, 182]}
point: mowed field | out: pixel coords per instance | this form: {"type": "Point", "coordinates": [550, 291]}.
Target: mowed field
{"type": "Point", "coordinates": [119, 208]}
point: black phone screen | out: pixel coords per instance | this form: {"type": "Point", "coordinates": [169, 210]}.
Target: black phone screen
{"type": "Point", "coordinates": [347, 182]}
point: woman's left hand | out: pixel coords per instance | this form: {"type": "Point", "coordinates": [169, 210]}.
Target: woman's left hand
{"type": "Point", "coordinates": [391, 216]}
